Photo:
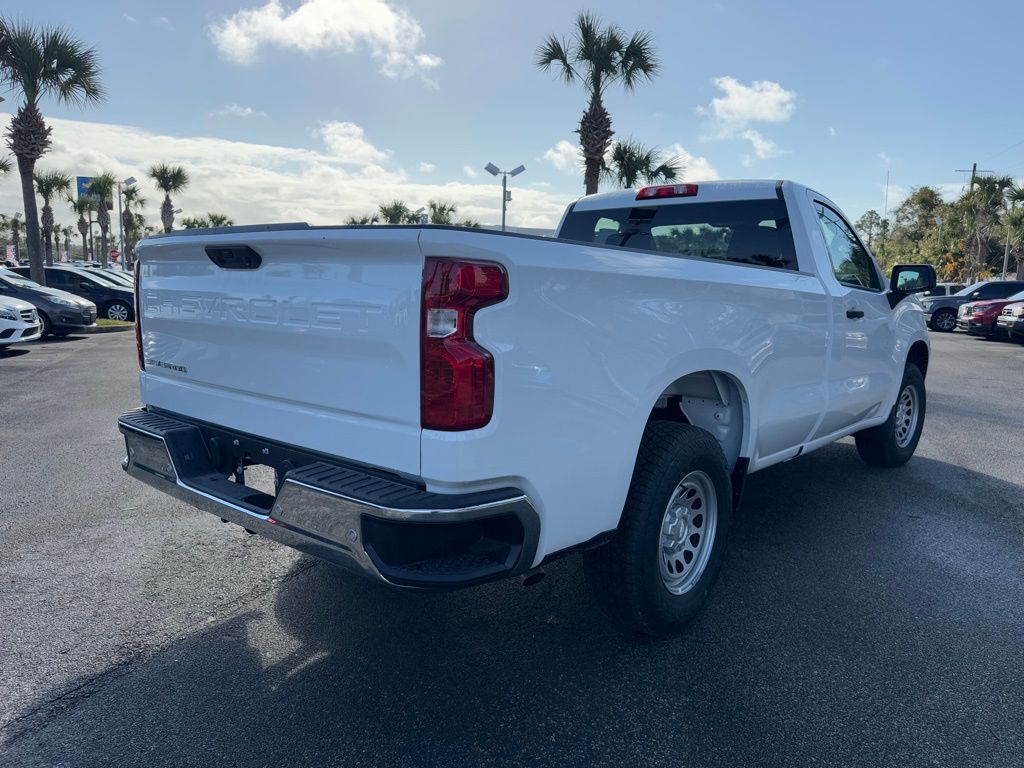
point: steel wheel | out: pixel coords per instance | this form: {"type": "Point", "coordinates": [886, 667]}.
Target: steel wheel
{"type": "Point", "coordinates": [117, 311]}
{"type": "Point", "coordinates": [907, 411]}
{"type": "Point", "coordinates": [945, 320]}
{"type": "Point", "coordinates": [688, 532]}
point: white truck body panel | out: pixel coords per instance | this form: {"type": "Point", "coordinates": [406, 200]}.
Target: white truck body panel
{"type": "Point", "coordinates": [319, 348]}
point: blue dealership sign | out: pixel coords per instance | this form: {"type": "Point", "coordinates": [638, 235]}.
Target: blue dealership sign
{"type": "Point", "coordinates": [83, 186]}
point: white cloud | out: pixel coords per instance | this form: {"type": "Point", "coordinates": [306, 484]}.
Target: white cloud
{"type": "Point", "coordinates": [129, 19]}
{"type": "Point", "coordinates": [470, 171]}
{"type": "Point", "coordinates": [831, 131]}
{"type": "Point", "coordinates": [885, 159]}
{"type": "Point", "coordinates": [763, 148]}
{"type": "Point", "coordinates": [694, 168]}
{"type": "Point", "coordinates": [565, 156]}
{"type": "Point", "coordinates": [427, 167]}
{"type": "Point", "coordinates": [161, 21]}
{"type": "Point", "coordinates": [259, 183]}
{"type": "Point", "coordinates": [347, 142]}
{"type": "Point", "coordinates": [763, 101]}
{"type": "Point", "coordinates": [237, 110]}
{"type": "Point", "coordinates": [392, 36]}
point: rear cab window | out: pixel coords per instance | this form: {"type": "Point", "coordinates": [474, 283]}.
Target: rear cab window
{"type": "Point", "coordinates": [755, 232]}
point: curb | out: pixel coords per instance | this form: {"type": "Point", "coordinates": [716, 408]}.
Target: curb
{"type": "Point", "coordinates": [107, 329]}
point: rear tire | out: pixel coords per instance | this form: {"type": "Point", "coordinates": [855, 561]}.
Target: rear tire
{"type": "Point", "coordinates": [892, 443]}
{"type": "Point", "coordinates": [943, 321]}
{"type": "Point", "coordinates": [658, 570]}
{"type": "Point", "coordinates": [117, 310]}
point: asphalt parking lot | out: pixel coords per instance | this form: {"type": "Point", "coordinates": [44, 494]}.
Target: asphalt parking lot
{"type": "Point", "coordinates": [863, 617]}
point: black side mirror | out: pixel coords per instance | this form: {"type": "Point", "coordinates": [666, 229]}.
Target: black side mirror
{"type": "Point", "coordinates": [910, 278]}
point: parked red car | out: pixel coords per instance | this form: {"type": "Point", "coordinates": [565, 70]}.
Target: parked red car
{"type": "Point", "coordinates": [978, 318]}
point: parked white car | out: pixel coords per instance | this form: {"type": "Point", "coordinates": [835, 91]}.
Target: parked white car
{"type": "Point", "coordinates": [445, 406]}
{"type": "Point", "coordinates": [19, 322]}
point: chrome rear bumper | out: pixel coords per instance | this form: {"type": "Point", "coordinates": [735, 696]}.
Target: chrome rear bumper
{"type": "Point", "coordinates": [378, 526]}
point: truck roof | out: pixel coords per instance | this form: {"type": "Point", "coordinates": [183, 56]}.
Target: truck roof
{"type": "Point", "coordinates": [740, 189]}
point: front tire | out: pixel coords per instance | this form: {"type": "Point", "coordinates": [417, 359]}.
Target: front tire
{"type": "Point", "coordinates": [892, 443]}
{"type": "Point", "coordinates": [658, 570]}
{"type": "Point", "coordinates": [944, 321]}
{"type": "Point", "coordinates": [47, 326]}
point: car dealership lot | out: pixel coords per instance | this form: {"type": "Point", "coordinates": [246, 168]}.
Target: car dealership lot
{"type": "Point", "coordinates": [865, 617]}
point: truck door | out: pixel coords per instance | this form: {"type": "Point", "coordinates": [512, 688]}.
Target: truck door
{"type": "Point", "coordinates": [860, 366]}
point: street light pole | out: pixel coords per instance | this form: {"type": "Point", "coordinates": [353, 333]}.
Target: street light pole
{"type": "Point", "coordinates": [506, 196]}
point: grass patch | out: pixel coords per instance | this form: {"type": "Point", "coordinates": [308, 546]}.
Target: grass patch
{"type": "Point", "coordinates": [105, 323]}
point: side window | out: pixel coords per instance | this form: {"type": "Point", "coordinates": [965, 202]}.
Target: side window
{"type": "Point", "coordinates": [850, 262]}
{"type": "Point", "coordinates": [56, 277]}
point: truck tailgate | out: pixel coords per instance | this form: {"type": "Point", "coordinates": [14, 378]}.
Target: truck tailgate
{"type": "Point", "coordinates": [318, 346]}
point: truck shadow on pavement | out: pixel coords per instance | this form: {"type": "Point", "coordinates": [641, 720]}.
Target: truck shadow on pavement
{"type": "Point", "coordinates": [862, 617]}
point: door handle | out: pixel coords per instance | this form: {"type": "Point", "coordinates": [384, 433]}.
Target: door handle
{"type": "Point", "coordinates": [855, 314]}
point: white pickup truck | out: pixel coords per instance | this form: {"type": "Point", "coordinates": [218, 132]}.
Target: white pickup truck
{"type": "Point", "coordinates": [442, 406]}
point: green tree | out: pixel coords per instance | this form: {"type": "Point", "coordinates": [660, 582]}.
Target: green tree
{"type": "Point", "coordinates": [133, 200]}
{"type": "Point", "coordinates": [82, 206]}
{"type": "Point", "coordinates": [219, 220]}
{"type": "Point", "coordinates": [598, 56]}
{"type": "Point", "coordinates": [395, 212]}
{"type": "Point", "coordinates": [41, 63]}
{"type": "Point", "coordinates": [630, 163]}
{"type": "Point", "coordinates": [362, 221]}
{"type": "Point", "coordinates": [441, 211]}
{"type": "Point", "coordinates": [101, 189]}
{"type": "Point", "coordinates": [50, 184]}
{"type": "Point", "coordinates": [5, 166]}
{"type": "Point", "coordinates": [985, 202]}
{"type": "Point", "coordinates": [169, 179]}
{"type": "Point", "coordinates": [868, 225]}
{"type": "Point", "coordinates": [195, 222]}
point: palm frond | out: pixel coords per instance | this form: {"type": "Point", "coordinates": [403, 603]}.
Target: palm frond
{"type": "Point", "coordinates": [51, 183]}
{"type": "Point", "coordinates": [639, 61]}
{"type": "Point", "coordinates": [553, 52]}
{"type": "Point", "coordinates": [48, 62]}
{"type": "Point", "coordinates": [169, 178]}
{"type": "Point", "coordinates": [5, 165]}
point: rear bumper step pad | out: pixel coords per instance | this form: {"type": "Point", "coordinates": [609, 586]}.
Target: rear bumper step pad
{"type": "Point", "coordinates": [380, 526]}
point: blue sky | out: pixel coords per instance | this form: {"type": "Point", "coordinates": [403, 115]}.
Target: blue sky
{"type": "Point", "coordinates": [320, 109]}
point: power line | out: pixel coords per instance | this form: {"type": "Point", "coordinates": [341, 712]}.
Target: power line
{"type": "Point", "coordinates": [1003, 151]}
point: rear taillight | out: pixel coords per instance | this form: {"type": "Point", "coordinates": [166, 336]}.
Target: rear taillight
{"type": "Point", "coordinates": [138, 317]}
{"type": "Point", "coordinates": [667, 190]}
{"type": "Point", "coordinates": [456, 373]}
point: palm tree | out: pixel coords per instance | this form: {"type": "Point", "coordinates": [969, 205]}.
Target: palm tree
{"type": "Point", "coordinates": [133, 198]}
{"type": "Point", "coordinates": [219, 220]}
{"type": "Point", "coordinates": [395, 212]}
{"type": "Point", "coordinates": [361, 221]}
{"type": "Point", "coordinates": [598, 56]}
{"type": "Point", "coordinates": [101, 189]}
{"type": "Point", "coordinates": [49, 184]}
{"type": "Point", "coordinates": [68, 233]}
{"type": "Point", "coordinates": [195, 222]}
{"type": "Point", "coordinates": [168, 178]}
{"type": "Point", "coordinates": [441, 211]}
{"type": "Point", "coordinates": [985, 202]}
{"type": "Point", "coordinates": [82, 206]}
{"type": "Point", "coordinates": [14, 224]}
{"type": "Point", "coordinates": [5, 166]}
{"type": "Point", "coordinates": [632, 162]}
{"type": "Point", "coordinates": [45, 62]}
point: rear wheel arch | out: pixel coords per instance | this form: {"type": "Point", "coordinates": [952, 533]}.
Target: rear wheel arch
{"type": "Point", "coordinates": [713, 400]}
